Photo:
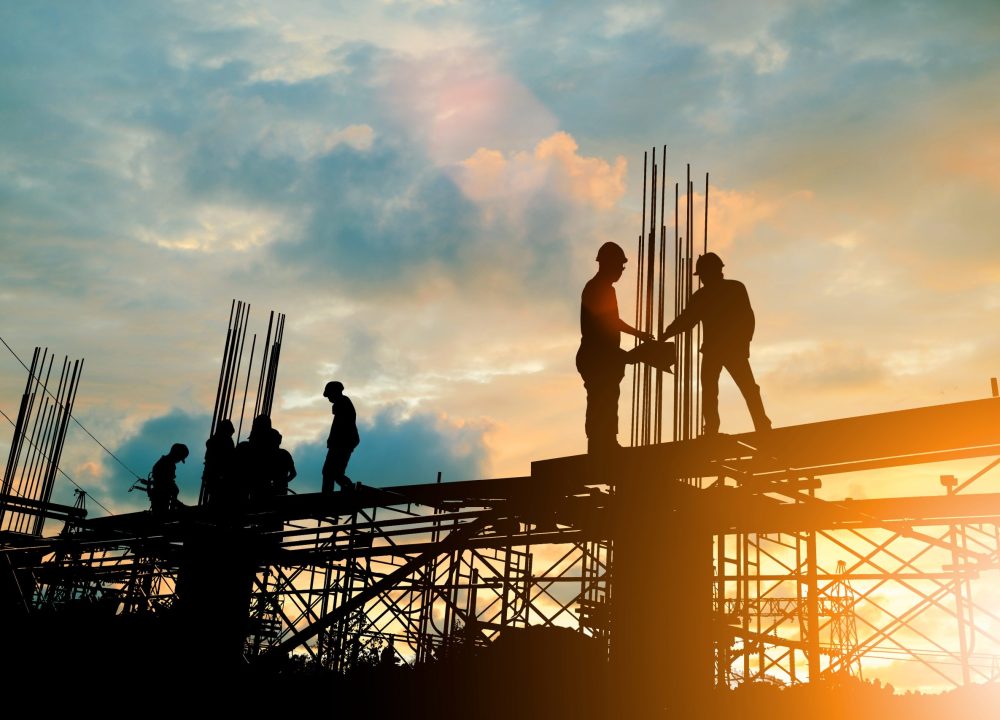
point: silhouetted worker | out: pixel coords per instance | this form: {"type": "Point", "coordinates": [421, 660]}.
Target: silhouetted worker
{"type": "Point", "coordinates": [252, 460]}
{"type": "Point", "coordinates": [281, 466]}
{"type": "Point", "coordinates": [218, 473]}
{"type": "Point", "coordinates": [163, 485]}
{"type": "Point", "coordinates": [723, 309]}
{"type": "Point", "coordinates": [600, 359]}
{"type": "Point", "coordinates": [343, 437]}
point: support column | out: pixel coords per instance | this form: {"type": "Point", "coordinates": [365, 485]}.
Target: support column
{"type": "Point", "coordinates": [662, 640]}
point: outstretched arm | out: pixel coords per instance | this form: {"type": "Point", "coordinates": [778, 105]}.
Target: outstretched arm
{"type": "Point", "coordinates": [688, 318]}
{"type": "Point", "coordinates": [641, 334]}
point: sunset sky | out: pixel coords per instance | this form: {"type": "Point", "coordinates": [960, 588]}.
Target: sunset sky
{"type": "Point", "coordinates": [422, 186]}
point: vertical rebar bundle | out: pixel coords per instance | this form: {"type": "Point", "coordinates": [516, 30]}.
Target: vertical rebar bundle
{"type": "Point", "coordinates": [651, 306]}
{"type": "Point", "coordinates": [36, 448]}
{"type": "Point", "coordinates": [233, 378]}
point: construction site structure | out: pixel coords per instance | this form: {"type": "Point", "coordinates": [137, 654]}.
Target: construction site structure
{"type": "Point", "coordinates": [695, 564]}
{"type": "Point", "coordinates": [440, 565]}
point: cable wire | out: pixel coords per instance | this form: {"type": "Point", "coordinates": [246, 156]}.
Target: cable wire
{"type": "Point", "coordinates": [132, 472]}
{"type": "Point", "coordinates": [98, 502]}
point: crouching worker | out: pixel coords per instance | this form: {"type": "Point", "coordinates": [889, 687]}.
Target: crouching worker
{"type": "Point", "coordinates": [163, 484]}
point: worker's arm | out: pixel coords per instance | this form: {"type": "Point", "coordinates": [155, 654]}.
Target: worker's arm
{"type": "Point", "coordinates": [689, 317]}
{"type": "Point", "coordinates": [641, 334]}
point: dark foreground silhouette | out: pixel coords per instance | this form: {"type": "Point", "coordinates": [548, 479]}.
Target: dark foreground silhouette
{"type": "Point", "coordinates": [526, 673]}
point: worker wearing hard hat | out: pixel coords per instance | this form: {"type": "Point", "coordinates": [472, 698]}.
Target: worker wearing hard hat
{"type": "Point", "coordinates": [600, 359]}
{"type": "Point", "coordinates": [723, 309]}
{"type": "Point", "coordinates": [163, 484]}
{"type": "Point", "coordinates": [342, 440]}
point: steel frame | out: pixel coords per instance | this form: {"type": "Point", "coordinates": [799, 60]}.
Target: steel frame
{"type": "Point", "coordinates": [339, 585]}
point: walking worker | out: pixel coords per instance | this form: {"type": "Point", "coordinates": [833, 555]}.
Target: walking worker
{"type": "Point", "coordinates": [342, 440]}
{"type": "Point", "coordinates": [723, 309]}
{"type": "Point", "coordinates": [163, 485]}
{"type": "Point", "coordinates": [600, 359]}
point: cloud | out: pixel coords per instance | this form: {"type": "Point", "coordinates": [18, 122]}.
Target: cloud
{"type": "Point", "coordinates": [218, 228]}
{"type": "Point", "coordinates": [828, 368]}
{"type": "Point", "coordinates": [554, 166]}
{"type": "Point", "coordinates": [152, 440]}
{"type": "Point", "coordinates": [456, 101]}
{"type": "Point", "coordinates": [380, 215]}
{"type": "Point", "coordinates": [385, 222]}
{"type": "Point", "coordinates": [744, 31]}
{"type": "Point", "coordinates": [736, 214]}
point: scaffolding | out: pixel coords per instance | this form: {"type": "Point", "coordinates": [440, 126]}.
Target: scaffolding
{"type": "Point", "coordinates": [727, 548]}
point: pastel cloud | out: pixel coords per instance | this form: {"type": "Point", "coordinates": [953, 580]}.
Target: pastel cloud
{"type": "Point", "coordinates": [735, 214]}
{"type": "Point", "coordinates": [217, 228]}
{"type": "Point", "coordinates": [307, 140]}
{"type": "Point", "coordinates": [458, 101]}
{"type": "Point", "coordinates": [555, 164]}
{"type": "Point", "coordinates": [727, 29]}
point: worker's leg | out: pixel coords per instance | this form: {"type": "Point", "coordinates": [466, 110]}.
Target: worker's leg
{"type": "Point", "coordinates": [602, 411]}
{"type": "Point", "coordinates": [711, 368]}
{"type": "Point", "coordinates": [343, 480]}
{"type": "Point", "coordinates": [603, 389]}
{"type": "Point", "coordinates": [158, 503]}
{"type": "Point", "coordinates": [742, 374]}
{"type": "Point", "coordinates": [334, 468]}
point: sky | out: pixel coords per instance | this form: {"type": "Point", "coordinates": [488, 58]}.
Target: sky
{"type": "Point", "coordinates": [422, 187]}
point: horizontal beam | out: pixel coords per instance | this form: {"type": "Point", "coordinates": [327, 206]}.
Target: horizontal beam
{"type": "Point", "coordinates": [898, 438]}
{"type": "Point", "coordinates": [904, 437]}
{"type": "Point", "coordinates": [734, 512]}
{"type": "Point", "coordinates": [29, 506]}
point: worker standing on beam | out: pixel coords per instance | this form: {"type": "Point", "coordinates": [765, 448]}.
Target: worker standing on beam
{"type": "Point", "coordinates": [600, 359]}
{"type": "Point", "coordinates": [723, 308]}
{"type": "Point", "coordinates": [218, 474]}
{"type": "Point", "coordinates": [342, 440]}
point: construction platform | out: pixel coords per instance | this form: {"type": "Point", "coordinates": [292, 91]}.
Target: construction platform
{"type": "Point", "coordinates": [663, 535]}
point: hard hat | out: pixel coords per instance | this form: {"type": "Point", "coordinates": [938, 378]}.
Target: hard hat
{"type": "Point", "coordinates": [261, 424]}
{"type": "Point", "coordinates": [710, 262]}
{"type": "Point", "coordinates": [611, 252]}
{"type": "Point", "coordinates": [334, 386]}
{"type": "Point", "coordinates": [179, 450]}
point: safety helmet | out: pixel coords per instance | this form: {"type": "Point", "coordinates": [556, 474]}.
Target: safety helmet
{"type": "Point", "coordinates": [333, 387]}
{"type": "Point", "coordinates": [708, 262]}
{"type": "Point", "coordinates": [611, 252]}
{"type": "Point", "coordinates": [179, 451]}
{"type": "Point", "coordinates": [260, 427]}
